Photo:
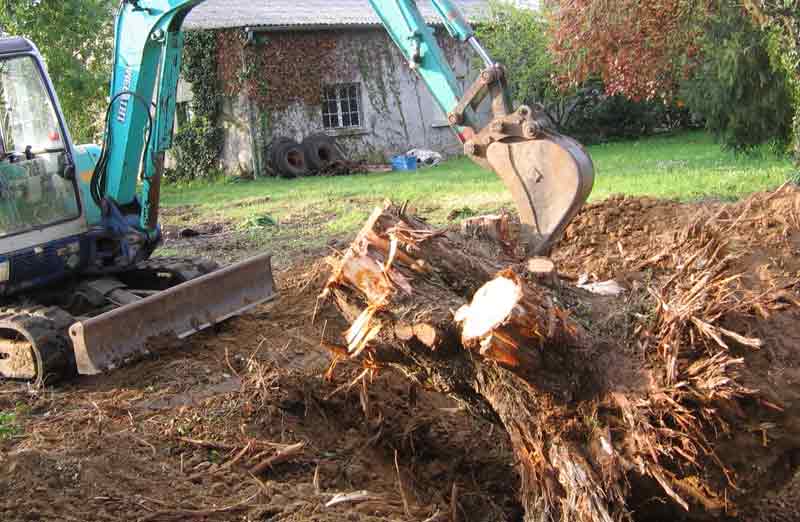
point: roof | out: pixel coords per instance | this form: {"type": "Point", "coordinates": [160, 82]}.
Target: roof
{"type": "Point", "coordinates": [299, 14]}
{"type": "Point", "coordinates": [15, 44]}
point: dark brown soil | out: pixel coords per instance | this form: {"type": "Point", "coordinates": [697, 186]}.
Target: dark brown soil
{"type": "Point", "coordinates": [114, 447]}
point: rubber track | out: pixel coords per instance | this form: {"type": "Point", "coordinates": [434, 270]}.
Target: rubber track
{"type": "Point", "coordinates": [47, 326]}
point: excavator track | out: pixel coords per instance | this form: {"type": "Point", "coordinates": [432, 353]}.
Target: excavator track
{"type": "Point", "coordinates": [34, 345]}
{"type": "Point", "coordinates": [35, 341]}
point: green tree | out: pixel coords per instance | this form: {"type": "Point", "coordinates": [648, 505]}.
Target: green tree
{"type": "Point", "coordinates": [743, 98]}
{"type": "Point", "coordinates": [76, 40]}
{"type": "Point", "coordinates": [781, 20]}
{"type": "Point", "coordinates": [517, 38]}
{"type": "Point", "coordinates": [198, 142]}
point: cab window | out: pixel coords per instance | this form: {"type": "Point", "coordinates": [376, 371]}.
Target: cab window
{"type": "Point", "coordinates": [34, 189]}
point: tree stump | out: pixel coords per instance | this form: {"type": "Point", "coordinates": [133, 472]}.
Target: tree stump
{"type": "Point", "coordinates": [594, 422]}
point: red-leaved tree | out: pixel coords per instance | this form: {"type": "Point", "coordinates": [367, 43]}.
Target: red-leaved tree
{"type": "Point", "coordinates": [640, 49]}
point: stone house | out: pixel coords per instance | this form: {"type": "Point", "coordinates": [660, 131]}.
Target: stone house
{"type": "Point", "coordinates": [325, 66]}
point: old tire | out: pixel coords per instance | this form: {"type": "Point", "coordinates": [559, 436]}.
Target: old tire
{"type": "Point", "coordinates": [269, 154]}
{"type": "Point", "coordinates": [321, 151]}
{"type": "Point", "coordinates": [288, 158]}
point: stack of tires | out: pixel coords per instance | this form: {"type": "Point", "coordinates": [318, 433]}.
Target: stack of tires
{"type": "Point", "coordinates": [290, 159]}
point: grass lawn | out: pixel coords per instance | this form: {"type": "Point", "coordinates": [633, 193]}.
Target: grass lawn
{"type": "Point", "coordinates": [306, 212]}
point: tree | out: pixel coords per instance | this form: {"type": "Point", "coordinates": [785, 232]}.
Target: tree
{"type": "Point", "coordinates": [649, 49]}
{"type": "Point", "coordinates": [75, 38]}
{"type": "Point", "coordinates": [744, 100]}
{"type": "Point", "coordinates": [781, 20]}
{"type": "Point", "coordinates": [520, 38]}
{"type": "Point", "coordinates": [517, 38]}
{"type": "Point", "coordinates": [640, 49]}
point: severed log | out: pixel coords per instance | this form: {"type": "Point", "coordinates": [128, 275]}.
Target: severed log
{"type": "Point", "coordinates": [499, 228]}
{"type": "Point", "coordinates": [592, 426]}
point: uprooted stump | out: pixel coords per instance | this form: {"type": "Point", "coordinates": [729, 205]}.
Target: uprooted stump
{"type": "Point", "coordinates": [600, 424]}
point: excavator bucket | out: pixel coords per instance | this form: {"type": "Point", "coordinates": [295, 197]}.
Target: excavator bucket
{"type": "Point", "coordinates": [107, 341]}
{"type": "Point", "coordinates": [550, 178]}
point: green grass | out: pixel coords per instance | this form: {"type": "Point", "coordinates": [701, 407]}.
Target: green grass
{"type": "Point", "coordinates": [8, 426]}
{"type": "Point", "coordinates": [304, 212]}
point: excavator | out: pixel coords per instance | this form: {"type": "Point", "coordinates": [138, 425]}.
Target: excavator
{"type": "Point", "coordinates": [80, 289]}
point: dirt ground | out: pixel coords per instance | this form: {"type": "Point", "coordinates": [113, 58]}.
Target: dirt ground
{"type": "Point", "coordinates": [181, 435]}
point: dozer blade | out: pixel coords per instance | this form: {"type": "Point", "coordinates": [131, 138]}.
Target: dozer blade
{"type": "Point", "coordinates": [550, 179]}
{"type": "Point", "coordinates": [109, 340]}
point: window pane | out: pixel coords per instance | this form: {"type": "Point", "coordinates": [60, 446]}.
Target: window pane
{"type": "Point", "coordinates": [33, 192]}
{"type": "Point", "coordinates": [341, 105]}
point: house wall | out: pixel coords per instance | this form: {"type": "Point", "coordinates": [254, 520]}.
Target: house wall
{"type": "Point", "coordinates": [398, 113]}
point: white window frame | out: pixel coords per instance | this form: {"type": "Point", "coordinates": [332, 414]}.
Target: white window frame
{"type": "Point", "coordinates": [338, 89]}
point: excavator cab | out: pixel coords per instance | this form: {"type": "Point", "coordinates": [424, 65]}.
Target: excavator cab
{"type": "Point", "coordinates": [37, 187]}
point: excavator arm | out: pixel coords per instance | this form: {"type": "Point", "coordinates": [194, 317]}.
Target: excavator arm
{"type": "Point", "coordinates": [141, 112]}
{"type": "Point", "coordinates": [550, 176]}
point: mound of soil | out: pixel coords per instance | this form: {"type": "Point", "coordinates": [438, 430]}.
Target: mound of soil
{"type": "Point", "coordinates": [178, 436]}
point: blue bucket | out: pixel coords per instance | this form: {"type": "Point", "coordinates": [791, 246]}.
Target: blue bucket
{"type": "Point", "coordinates": [404, 163]}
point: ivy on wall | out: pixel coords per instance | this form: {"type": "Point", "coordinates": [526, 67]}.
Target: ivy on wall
{"type": "Point", "coordinates": [198, 142]}
{"type": "Point", "coordinates": [272, 71]}
{"type": "Point", "coordinates": [275, 69]}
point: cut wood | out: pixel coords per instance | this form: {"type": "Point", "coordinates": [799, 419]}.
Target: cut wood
{"type": "Point", "coordinates": [543, 271]}
{"type": "Point", "coordinates": [510, 322]}
{"type": "Point", "coordinates": [280, 457]}
{"type": "Point", "coordinates": [498, 228]}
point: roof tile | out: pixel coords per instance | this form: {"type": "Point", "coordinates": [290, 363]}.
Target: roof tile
{"type": "Point", "coordinates": [221, 14]}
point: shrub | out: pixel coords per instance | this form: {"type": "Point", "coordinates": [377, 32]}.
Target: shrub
{"type": "Point", "coordinates": [592, 116]}
{"type": "Point", "coordinates": [736, 89]}
{"type": "Point", "coordinates": [198, 142]}
{"type": "Point", "coordinates": [196, 150]}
